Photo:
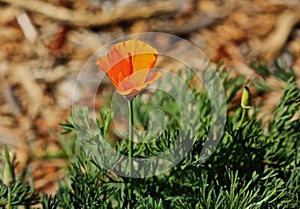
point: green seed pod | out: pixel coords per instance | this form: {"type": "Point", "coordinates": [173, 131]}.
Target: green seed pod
{"type": "Point", "coordinates": [246, 98]}
{"type": "Point", "coordinates": [8, 176]}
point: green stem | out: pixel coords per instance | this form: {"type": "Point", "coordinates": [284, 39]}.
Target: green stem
{"type": "Point", "coordinates": [9, 198]}
{"type": "Point", "coordinates": [243, 117]}
{"type": "Point", "coordinates": [130, 137]}
{"type": "Point", "coordinates": [130, 145]}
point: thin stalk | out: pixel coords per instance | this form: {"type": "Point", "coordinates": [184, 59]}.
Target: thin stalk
{"type": "Point", "coordinates": [130, 145]}
{"type": "Point", "coordinates": [130, 137]}
{"type": "Point", "coordinates": [9, 198]}
{"type": "Point", "coordinates": [243, 116]}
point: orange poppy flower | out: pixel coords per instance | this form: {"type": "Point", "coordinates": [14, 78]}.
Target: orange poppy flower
{"type": "Point", "coordinates": [129, 64]}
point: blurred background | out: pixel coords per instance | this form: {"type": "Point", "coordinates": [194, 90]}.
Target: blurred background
{"type": "Point", "coordinates": [45, 43]}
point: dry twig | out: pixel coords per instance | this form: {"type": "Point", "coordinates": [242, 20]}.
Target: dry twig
{"type": "Point", "coordinates": [9, 34]}
{"type": "Point", "coordinates": [197, 22]}
{"type": "Point", "coordinates": [276, 40]}
{"type": "Point", "coordinates": [35, 94]}
{"type": "Point", "coordinates": [86, 19]}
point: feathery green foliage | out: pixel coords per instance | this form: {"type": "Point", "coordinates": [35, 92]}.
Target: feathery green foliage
{"type": "Point", "coordinates": [254, 166]}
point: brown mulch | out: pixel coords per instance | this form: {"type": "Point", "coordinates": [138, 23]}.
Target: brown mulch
{"type": "Point", "coordinates": [44, 44]}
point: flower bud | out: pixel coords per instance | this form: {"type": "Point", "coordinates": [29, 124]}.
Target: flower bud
{"type": "Point", "coordinates": [246, 98]}
{"type": "Point", "coordinates": [8, 176]}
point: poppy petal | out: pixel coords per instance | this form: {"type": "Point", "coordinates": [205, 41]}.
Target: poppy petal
{"type": "Point", "coordinates": [128, 64]}
{"type": "Point", "coordinates": [155, 76]}
{"type": "Point", "coordinates": [132, 85]}
{"type": "Point", "coordinates": [141, 55]}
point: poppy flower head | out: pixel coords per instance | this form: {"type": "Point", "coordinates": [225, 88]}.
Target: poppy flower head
{"type": "Point", "coordinates": [129, 64]}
